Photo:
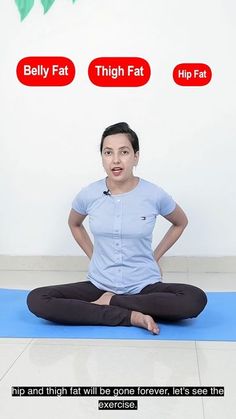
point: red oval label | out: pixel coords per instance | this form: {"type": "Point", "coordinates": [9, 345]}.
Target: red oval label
{"type": "Point", "coordinates": [119, 71]}
{"type": "Point", "coordinates": [45, 71]}
{"type": "Point", "coordinates": [192, 74]}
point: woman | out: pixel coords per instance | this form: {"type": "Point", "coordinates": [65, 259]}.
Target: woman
{"type": "Point", "coordinates": [124, 285]}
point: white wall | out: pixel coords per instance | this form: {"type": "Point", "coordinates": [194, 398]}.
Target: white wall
{"type": "Point", "coordinates": [50, 136]}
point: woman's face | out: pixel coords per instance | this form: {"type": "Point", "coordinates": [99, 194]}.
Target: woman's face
{"type": "Point", "coordinates": [118, 157]}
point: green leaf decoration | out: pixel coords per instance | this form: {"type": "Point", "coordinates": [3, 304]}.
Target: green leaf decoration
{"type": "Point", "coordinates": [47, 4]}
{"type": "Point", "coordinates": [24, 7]}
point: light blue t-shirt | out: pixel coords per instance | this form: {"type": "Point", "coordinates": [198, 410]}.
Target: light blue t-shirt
{"type": "Point", "coordinates": [122, 226]}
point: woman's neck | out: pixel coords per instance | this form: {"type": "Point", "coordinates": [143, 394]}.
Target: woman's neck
{"type": "Point", "coordinates": [116, 188]}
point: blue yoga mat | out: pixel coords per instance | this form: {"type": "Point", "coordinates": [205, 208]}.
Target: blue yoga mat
{"type": "Point", "coordinates": [216, 322]}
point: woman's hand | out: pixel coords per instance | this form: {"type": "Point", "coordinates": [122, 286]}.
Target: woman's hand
{"type": "Point", "coordinates": [179, 222]}
{"type": "Point", "coordinates": [79, 232]}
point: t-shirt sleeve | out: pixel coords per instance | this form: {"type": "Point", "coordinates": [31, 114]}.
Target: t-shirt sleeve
{"type": "Point", "coordinates": [79, 203]}
{"type": "Point", "coordinates": [166, 203]}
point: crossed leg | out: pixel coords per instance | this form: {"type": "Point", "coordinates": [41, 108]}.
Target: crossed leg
{"type": "Point", "coordinates": [83, 303]}
{"type": "Point", "coordinates": [137, 318]}
{"type": "Point", "coordinates": [166, 301]}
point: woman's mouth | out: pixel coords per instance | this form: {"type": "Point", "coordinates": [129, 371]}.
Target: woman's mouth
{"type": "Point", "coordinates": [117, 171]}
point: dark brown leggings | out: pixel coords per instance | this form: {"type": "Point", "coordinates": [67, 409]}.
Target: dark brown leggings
{"type": "Point", "coordinates": [71, 303]}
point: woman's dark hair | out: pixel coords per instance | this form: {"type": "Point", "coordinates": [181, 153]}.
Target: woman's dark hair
{"type": "Point", "coordinates": [121, 128]}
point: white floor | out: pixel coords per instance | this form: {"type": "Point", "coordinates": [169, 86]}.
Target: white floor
{"type": "Point", "coordinates": [54, 362]}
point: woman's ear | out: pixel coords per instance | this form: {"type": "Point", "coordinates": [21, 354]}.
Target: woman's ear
{"type": "Point", "coordinates": [136, 157]}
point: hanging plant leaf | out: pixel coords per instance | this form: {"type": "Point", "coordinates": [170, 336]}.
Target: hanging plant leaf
{"type": "Point", "coordinates": [24, 7]}
{"type": "Point", "coordinates": [47, 4]}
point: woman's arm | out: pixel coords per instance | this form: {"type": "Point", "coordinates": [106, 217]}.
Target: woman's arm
{"type": "Point", "coordinates": [80, 234]}
{"type": "Point", "coordinates": [179, 222]}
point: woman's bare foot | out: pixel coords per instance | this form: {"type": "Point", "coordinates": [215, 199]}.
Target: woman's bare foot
{"type": "Point", "coordinates": [104, 299]}
{"type": "Point", "coordinates": [145, 321]}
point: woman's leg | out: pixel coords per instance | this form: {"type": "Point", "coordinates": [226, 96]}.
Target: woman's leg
{"type": "Point", "coordinates": [166, 301]}
{"type": "Point", "coordinates": [72, 304]}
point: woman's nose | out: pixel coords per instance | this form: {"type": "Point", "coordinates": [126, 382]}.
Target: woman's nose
{"type": "Point", "coordinates": [116, 158]}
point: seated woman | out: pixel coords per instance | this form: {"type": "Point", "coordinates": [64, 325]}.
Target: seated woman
{"type": "Point", "coordinates": [124, 282]}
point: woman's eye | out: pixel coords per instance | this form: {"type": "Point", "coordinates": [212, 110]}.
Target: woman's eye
{"type": "Point", "coordinates": [108, 153]}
